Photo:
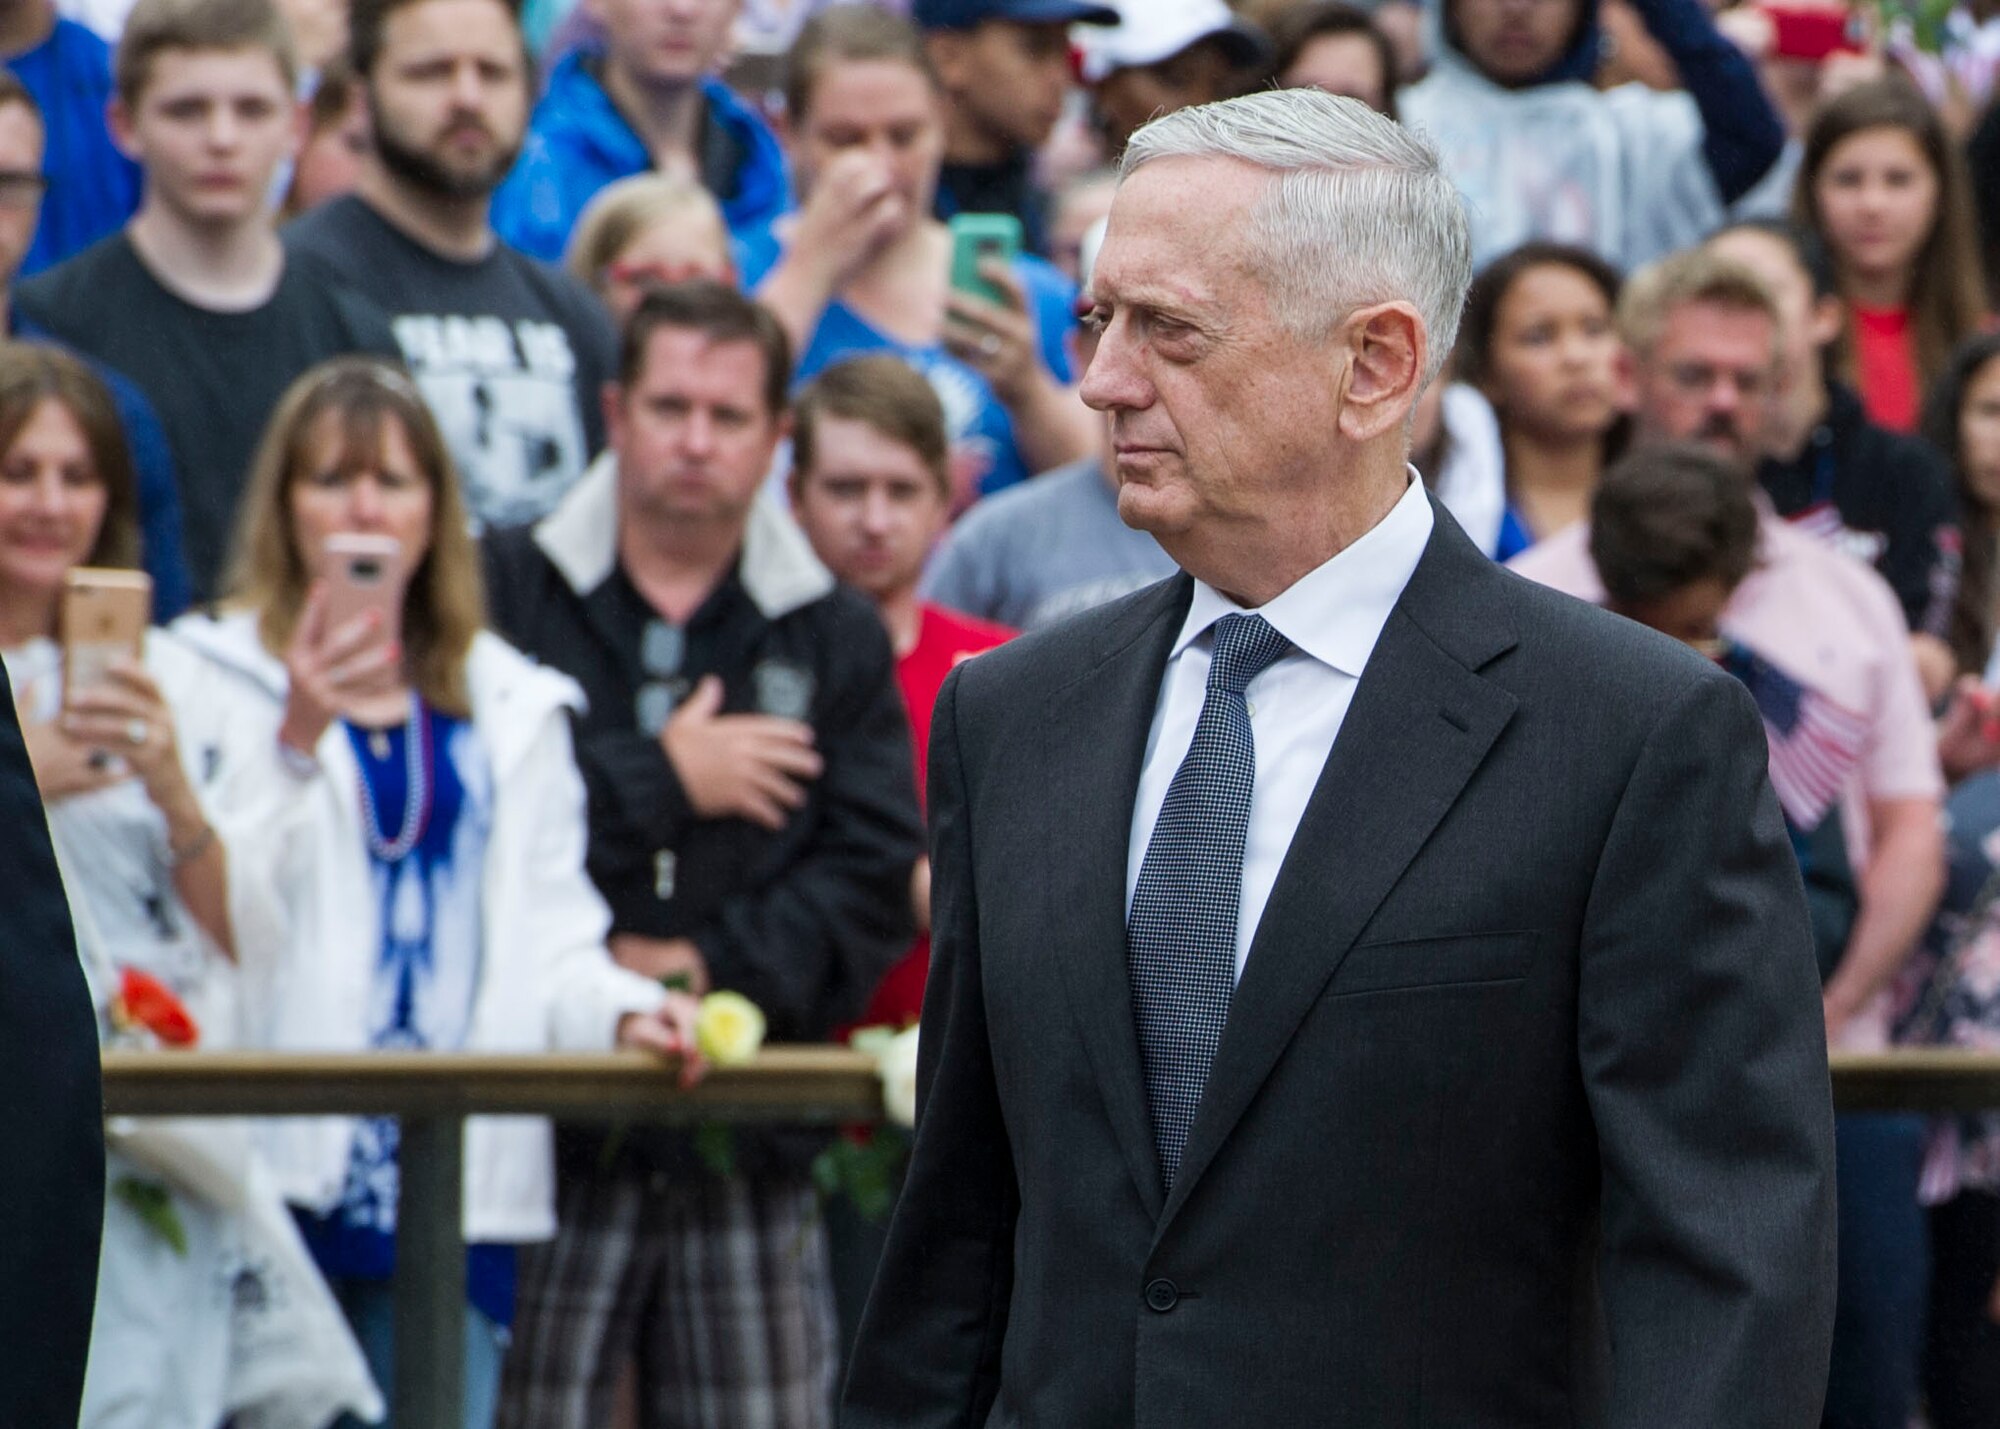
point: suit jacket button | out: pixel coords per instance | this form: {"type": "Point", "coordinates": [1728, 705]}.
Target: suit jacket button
{"type": "Point", "coordinates": [1162, 1295]}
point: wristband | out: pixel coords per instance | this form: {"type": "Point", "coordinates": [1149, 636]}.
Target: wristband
{"type": "Point", "coordinates": [297, 762]}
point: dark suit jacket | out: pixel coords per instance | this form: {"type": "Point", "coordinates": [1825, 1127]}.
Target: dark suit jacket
{"type": "Point", "coordinates": [1521, 1114]}
{"type": "Point", "coordinates": [51, 1116]}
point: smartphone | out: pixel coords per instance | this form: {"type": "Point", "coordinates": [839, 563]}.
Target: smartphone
{"type": "Point", "coordinates": [364, 573]}
{"type": "Point", "coordinates": [1810, 32]}
{"type": "Point", "coordinates": [975, 237]}
{"type": "Point", "coordinates": [103, 618]}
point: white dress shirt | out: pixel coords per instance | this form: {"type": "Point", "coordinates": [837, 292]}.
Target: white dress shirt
{"type": "Point", "coordinates": [1333, 616]}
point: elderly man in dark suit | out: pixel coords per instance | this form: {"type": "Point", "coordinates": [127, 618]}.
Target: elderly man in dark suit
{"type": "Point", "coordinates": [1369, 990]}
{"type": "Point", "coordinates": [51, 1116]}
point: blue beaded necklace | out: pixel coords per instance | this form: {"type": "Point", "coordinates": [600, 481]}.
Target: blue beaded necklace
{"type": "Point", "coordinates": [417, 792]}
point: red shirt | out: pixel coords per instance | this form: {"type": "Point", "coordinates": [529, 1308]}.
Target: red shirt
{"type": "Point", "coordinates": [944, 638]}
{"type": "Point", "coordinates": [1885, 366]}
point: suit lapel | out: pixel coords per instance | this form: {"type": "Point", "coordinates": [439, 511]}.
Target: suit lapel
{"type": "Point", "coordinates": [1097, 730]}
{"type": "Point", "coordinates": [1421, 723]}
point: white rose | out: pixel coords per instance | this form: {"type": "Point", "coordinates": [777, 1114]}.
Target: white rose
{"type": "Point", "coordinates": [897, 1062]}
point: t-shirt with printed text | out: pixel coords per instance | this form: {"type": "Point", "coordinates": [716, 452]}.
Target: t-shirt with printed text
{"type": "Point", "coordinates": [510, 353]}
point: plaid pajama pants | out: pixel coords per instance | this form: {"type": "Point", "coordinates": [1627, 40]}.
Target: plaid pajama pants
{"type": "Point", "coordinates": [719, 1288]}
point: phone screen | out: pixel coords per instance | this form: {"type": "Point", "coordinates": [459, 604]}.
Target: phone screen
{"type": "Point", "coordinates": [977, 238]}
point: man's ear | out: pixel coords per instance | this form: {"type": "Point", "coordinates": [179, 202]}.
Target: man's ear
{"type": "Point", "coordinates": [301, 128]}
{"type": "Point", "coordinates": [1385, 347]}
{"type": "Point", "coordinates": [1824, 324]}
{"type": "Point", "coordinates": [118, 120]}
{"type": "Point", "coordinates": [1625, 379]}
{"type": "Point", "coordinates": [611, 401]}
{"type": "Point", "coordinates": [946, 49]}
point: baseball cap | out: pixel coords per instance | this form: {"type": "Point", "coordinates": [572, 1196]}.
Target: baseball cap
{"type": "Point", "coordinates": [1155, 30]}
{"type": "Point", "coordinates": [964, 14]}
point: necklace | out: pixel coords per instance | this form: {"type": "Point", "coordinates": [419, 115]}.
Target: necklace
{"type": "Point", "coordinates": [416, 788]}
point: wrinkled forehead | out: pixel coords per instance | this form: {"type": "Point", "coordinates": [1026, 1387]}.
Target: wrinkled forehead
{"type": "Point", "coordinates": [1718, 334]}
{"type": "Point", "coordinates": [1179, 225]}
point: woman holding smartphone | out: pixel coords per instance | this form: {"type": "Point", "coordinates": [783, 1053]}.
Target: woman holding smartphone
{"type": "Point", "coordinates": [1883, 187]}
{"type": "Point", "coordinates": [422, 824]}
{"type": "Point", "coordinates": [119, 747]}
{"type": "Point", "coordinates": [863, 267]}
{"type": "Point", "coordinates": [67, 500]}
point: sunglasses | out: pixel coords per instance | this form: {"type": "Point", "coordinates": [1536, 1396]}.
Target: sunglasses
{"type": "Point", "coordinates": [662, 653]}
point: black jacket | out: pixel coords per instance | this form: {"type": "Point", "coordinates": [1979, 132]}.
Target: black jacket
{"type": "Point", "coordinates": [1520, 1115]}
{"type": "Point", "coordinates": [51, 1117]}
{"type": "Point", "coordinates": [1894, 497]}
{"type": "Point", "coordinates": [804, 921]}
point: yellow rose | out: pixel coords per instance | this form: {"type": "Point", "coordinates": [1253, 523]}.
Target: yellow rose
{"type": "Point", "coordinates": [729, 1028]}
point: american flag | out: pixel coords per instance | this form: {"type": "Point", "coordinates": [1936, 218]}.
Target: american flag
{"type": "Point", "coordinates": [1815, 743]}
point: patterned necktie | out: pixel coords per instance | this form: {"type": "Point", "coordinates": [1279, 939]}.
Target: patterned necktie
{"type": "Point", "coordinates": [1181, 936]}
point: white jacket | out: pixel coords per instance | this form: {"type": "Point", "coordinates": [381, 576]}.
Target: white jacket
{"type": "Point", "coordinates": [545, 978]}
{"type": "Point", "coordinates": [1620, 172]}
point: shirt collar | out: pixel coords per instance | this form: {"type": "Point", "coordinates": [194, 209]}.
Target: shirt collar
{"type": "Point", "coordinates": [1335, 612]}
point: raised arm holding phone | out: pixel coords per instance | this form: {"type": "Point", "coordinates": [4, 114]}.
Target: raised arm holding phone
{"type": "Point", "coordinates": [863, 266]}
{"type": "Point", "coordinates": [73, 622]}
{"type": "Point", "coordinates": [419, 823]}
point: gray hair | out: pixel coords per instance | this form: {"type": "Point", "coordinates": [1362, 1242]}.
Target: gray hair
{"type": "Point", "coordinates": [1359, 210]}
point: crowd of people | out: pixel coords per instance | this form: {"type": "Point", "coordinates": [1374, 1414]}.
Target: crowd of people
{"type": "Point", "coordinates": [640, 352]}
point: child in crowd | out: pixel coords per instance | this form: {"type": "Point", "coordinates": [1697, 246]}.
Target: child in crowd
{"type": "Point", "coordinates": [1962, 420]}
{"type": "Point", "coordinates": [1883, 187]}
{"type": "Point", "coordinates": [1948, 992]}
{"type": "Point", "coordinates": [195, 299]}
{"type": "Point", "coordinates": [646, 232]}
{"type": "Point", "coordinates": [1539, 339]}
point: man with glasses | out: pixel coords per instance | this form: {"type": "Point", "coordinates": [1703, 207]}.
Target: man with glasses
{"type": "Point", "coordinates": [753, 827]}
{"type": "Point", "coordinates": [23, 138]}
{"type": "Point", "coordinates": [67, 69]}
{"type": "Point", "coordinates": [1821, 640]}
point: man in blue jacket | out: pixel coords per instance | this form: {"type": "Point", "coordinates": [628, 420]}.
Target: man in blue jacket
{"type": "Point", "coordinates": [648, 99]}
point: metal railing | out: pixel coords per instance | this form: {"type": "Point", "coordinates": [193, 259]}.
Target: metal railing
{"type": "Point", "coordinates": [432, 1094]}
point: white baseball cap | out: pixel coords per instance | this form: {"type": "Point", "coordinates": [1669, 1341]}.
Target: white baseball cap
{"type": "Point", "coordinates": [1155, 30]}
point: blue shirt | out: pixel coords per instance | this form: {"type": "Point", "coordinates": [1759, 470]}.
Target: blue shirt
{"type": "Point", "coordinates": [426, 977]}
{"type": "Point", "coordinates": [980, 428]}
{"type": "Point", "coordinates": [1515, 537]}
{"type": "Point", "coordinates": [93, 188]}
{"type": "Point", "coordinates": [578, 142]}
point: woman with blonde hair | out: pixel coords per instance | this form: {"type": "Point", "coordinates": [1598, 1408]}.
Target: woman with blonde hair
{"type": "Point", "coordinates": [421, 821]}
{"type": "Point", "coordinates": [646, 232]}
